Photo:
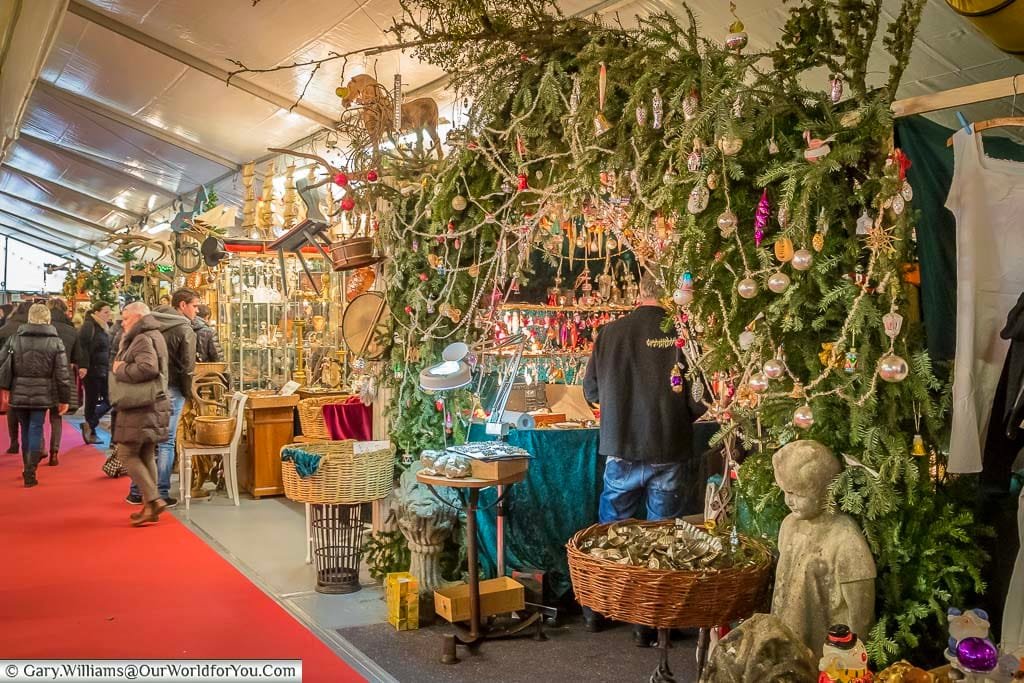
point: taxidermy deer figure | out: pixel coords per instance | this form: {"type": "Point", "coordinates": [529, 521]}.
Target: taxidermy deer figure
{"type": "Point", "coordinates": [376, 113]}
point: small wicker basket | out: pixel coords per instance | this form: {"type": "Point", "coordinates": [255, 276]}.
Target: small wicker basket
{"type": "Point", "coordinates": [311, 416]}
{"type": "Point", "coordinates": [351, 472]}
{"type": "Point", "coordinates": [662, 598]}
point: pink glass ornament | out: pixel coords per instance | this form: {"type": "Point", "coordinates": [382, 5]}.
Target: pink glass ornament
{"type": "Point", "coordinates": [764, 212]}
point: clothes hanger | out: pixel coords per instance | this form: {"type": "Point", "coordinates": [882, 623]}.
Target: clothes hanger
{"type": "Point", "coordinates": [999, 122]}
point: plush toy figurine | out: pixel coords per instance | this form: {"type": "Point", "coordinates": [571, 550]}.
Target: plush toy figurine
{"type": "Point", "coordinates": [844, 659]}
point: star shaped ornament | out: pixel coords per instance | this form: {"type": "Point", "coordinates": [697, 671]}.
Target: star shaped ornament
{"type": "Point", "coordinates": [881, 240]}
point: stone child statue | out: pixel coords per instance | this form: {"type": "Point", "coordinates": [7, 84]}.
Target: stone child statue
{"type": "Point", "coordinates": [826, 574]}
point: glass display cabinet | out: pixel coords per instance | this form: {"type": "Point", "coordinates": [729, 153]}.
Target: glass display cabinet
{"type": "Point", "coordinates": [260, 328]}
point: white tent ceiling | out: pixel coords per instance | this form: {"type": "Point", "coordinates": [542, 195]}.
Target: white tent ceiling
{"type": "Point", "coordinates": [130, 109]}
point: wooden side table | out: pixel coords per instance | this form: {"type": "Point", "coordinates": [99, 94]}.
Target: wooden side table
{"type": "Point", "coordinates": [473, 484]}
{"type": "Point", "coordinates": [270, 423]}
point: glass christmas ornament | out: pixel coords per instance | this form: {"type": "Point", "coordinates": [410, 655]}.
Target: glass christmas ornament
{"type": "Point", "coordinates": [347, 204]}
{"type": "Point", "coordinates": [818, 241]}
{"type": "Point", "coordinates": [773, 147]}
{"type": "Point", "coordinates": [459, 203]}
{"type": "Point", "coordinates": [522, 184]}
{"type": "Point", "coordinates": [761, 216]}
{"type": "Point", "coordinates": [774, 368]}
{"type": "Point", "coordinates": [372, 176]}
{"type": "Point", "coordinates": [758, 382]}
{"type": "Point", "coordinates": [727, 222]}
{"type": "Point", "coordinates": [641, 115]}
{"type": "Point", "coordinates": [676, 379]}
{"type": "Point", "coordinates": [898, 204]}
{"type": "Point", "coordinates": [601, 124]}
{"type": "Point", "coordinates": [850, 362]}
{"type": "Point", "coordinates": [917, 447]}
{"type": "Point", "coordinates": [657, 110]}
{"type": "Point", "coordinates": [574, 96]}
{"type": "Point", "coordinates": [783, 214]}
{"type": "Point", "coordinates": [611, 244]}
{"type": "Point", "coordinates": [340, 179]}
{"type": "Point", "coordinates": [712, 181]}
{"type": "Point", "coordinates": [746, 339]}
{"type": "Point", "coordinates": [864, 223]}
{"type": "Point", "coordinates": [747, 288]}
{"type": "Point", "coordinates": [507, 186]}
{"type": "Point", "coordinates": [835, 88]}
{"type": "Point", "coordinates": [907, 191]}
{"type": "Point", "coordinates": [682, 297]}
{"type": "Point", "coordinates": [580, 243]}
{"type": "Point", "coordinates": [893, 368]}
{"type": "Point", "coordinates": [977, 655]}
{"type": "Point", "coordinates": [698, 201]}
{"type": "Point", "coordinates": [778, 282]}
{"type": "Point", "coordinates": [784, 249]}
{"type": "Point", "coordinates": [730, 145]}
{"type": "Point", "coordinates": [803, 417]}
{"type": "Point", "coordinates": [893, 323]}
{"type": "Point", "coordinates": [802, 259]}
{"type": "Point", "coordinates": [695, 159]}
{"type": "Point", "coordinates": [341, 92]}
{"type": "Point", "coordinates": [736, 38]}
{"type": "Point", "coordinates": [690, 105]}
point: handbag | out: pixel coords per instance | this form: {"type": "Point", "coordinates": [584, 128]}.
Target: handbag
{"type": "Point", "coordinates": [112, 466]}
{"type": "Point", "coordinates": [125, 395]}
{"type": "Point", "coordinates": [7, 367]}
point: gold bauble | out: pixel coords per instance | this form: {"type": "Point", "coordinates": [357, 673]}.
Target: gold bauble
{"type": "Point", "coordinates": [341, 92]}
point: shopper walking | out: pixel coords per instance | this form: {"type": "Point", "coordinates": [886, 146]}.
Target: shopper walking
{"type": "Point", "coordinates": [646, 426]}
{"type": "Point", "coordinates": [207, 345]}
{"type": "Point", "coordinates": [176, 326]}
{"type": "Point", "coordinates": [94, 365]}
{"type": "Point", "coordinates": [140, 372]}
{"type": "Point", "coordinates": [69, 337]}
{"type": "Point", "coordinates": [10, 327]}
{"type": "Point", "coordinates": [40, 382]}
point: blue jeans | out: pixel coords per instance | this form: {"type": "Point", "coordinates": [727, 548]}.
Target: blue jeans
{"type": "Point", "coordinates": [627, 481]}
{"type": "Point", "coordinates": [165, 451]}
{"type": "Point", "coordinates": [31, 422]}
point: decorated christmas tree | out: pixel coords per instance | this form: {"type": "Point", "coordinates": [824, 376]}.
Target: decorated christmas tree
{"type": "Point", "coordinates": [764, 191]}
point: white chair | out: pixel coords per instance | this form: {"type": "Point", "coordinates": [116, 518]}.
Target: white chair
{"type": "Point", "coordinates": [229, 455]}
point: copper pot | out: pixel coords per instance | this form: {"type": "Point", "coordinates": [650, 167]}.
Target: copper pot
{"type": "Point", "coordinates": [353, 253]}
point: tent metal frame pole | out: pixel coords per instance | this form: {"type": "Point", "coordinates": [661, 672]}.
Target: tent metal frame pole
{"type": "Point", "coordinates": [32, 224]}
{"type": "Point", "coordinates": [116, 116]}
{"type": "Point", "coordinates": [63, 214]}
{"type": "Point", "coordinates": [958, 97]}
{"type": "Point", "coordinates": [182, 57]}
{"type": "Point", "coordinates": [61, 254]}
{"type": "Point", "coordinates": [6, 166]}
{"type": "Point", "coordinates": [7, 244]}
{"type": "Point", "coordinates": [87, 160]}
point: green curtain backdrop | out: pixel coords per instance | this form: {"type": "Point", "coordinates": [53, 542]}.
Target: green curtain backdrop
{"type": "Point", "coordinates": [930, 175]}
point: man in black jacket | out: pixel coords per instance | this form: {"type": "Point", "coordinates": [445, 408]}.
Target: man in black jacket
{"type": "Point", "coordinates": [69, 336]}
{"type": "Point", "coordinates": [10, 327]}
{"type": "Point", "coordinates": [646, 425]}
{"type": "Point", "coordinates": [207, 346]}
{"type": "Point", "coordinates": [176, 326]}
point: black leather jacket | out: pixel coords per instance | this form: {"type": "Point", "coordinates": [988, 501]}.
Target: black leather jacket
{"type": "Point", "coordinates": [41, 377]}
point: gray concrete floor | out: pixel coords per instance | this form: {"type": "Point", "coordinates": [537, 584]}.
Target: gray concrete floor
{"type": "Point", "coordinates": [265, 540]}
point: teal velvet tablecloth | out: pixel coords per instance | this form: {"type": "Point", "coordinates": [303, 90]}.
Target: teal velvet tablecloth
{"type": "Point", "coordinates": [558, 498]}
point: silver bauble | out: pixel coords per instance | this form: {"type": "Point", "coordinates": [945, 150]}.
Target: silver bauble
{"type": "Point", "coordinates": [778, 282]}
{"type": "Point", "coordinates": [747, 288]}
{"type": "Point", "coordinates": [774, 368]}
{"type": "Point", "coordinates": [803, 417]}
{"type": "Point", "coordinates": [802, 259]}
{"type": "Point", "coordinates": [892, 368]}
{"type": "Point", "coordinates": [681, 297]}
{"type": "Point", "coordinates": [758, 383]}
{"type": "Point", "coordinates": [727, 222]}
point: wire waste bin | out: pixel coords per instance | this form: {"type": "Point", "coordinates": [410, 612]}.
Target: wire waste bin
{"type": "Point", "coordinates": [335, 478]}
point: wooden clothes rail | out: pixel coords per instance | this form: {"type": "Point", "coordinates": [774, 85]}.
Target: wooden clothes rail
{"type": "Point", "coordinates": [958, 97]}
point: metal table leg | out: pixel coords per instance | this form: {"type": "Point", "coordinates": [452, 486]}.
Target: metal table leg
{"type": "Point", "coordinates": [663, 674]}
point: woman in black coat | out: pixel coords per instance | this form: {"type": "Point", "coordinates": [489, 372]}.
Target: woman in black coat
{"type": "Point", "coordinates": [69, 336]}
{"type": "Point", "coordinates": [94, 366]}
{"type": "Point", "coordinates": [41, 381]}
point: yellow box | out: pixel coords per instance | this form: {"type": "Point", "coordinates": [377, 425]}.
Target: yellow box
{"type": "Point", "coordinates": [497, 596]}
{"type": "Point", "coordinates": [402, 591]}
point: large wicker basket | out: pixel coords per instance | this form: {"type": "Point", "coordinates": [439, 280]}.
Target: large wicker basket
{"type": "Point", "coordinates": [351, 472]}
{"type": "Point", "coordinates": [667, 598]}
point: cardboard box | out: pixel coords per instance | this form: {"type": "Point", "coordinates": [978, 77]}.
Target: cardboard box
{"type": "Point", "coordinates": [402, 592]}
{"type": "Point", "coordinates": [497, 596]}
{"type": "Point", "coordinates": [496, 469]}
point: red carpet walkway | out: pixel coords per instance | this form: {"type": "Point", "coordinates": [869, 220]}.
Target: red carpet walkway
{"type": "Point", "coordinates": [77, 581]}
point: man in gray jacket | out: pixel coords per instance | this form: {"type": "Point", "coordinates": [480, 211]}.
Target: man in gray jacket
{"type": "Point", "coordinates": [176, 326]}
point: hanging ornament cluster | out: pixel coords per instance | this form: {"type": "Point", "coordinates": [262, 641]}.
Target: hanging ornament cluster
{"type": "Point", "coordinates": [736, 38]}
{"type": "Point", "coordinates": [891, 367]}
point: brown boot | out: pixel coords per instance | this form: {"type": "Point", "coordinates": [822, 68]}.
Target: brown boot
{"type": "Point", "coordinates": [150, 512]}
{"type": "Point", "coordinates": [53, 462]}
